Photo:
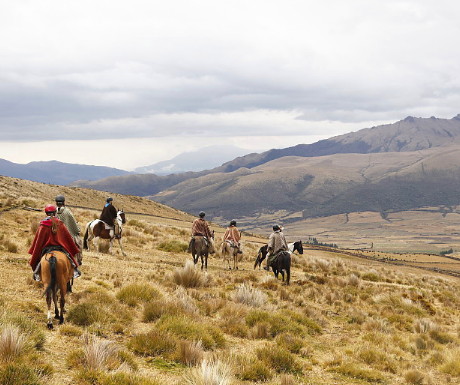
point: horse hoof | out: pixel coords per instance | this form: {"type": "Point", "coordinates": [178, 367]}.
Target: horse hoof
{"type": "Point", "coordinates": [61, 321]}
{"type": "Point", "coordinates": [50, 326]}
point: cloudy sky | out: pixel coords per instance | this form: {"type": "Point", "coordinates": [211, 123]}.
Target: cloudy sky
{"type": "Point", "coordinates": [128, 83]}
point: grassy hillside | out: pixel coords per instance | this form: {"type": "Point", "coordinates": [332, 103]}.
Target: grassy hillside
{"type": "Point", "coordinates": [326, 185]}
{"type": "Point", "coordinates": [150, 318]}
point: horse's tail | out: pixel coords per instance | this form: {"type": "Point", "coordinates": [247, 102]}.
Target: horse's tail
{"type": "Point", "coordinates": [286, 265]}
{"type": "Point", "coordinates": [85, 238]}
{"type": "Point", "coordinates": [258, 261]}
{"type": "Point", "coordinates": [52, 261]}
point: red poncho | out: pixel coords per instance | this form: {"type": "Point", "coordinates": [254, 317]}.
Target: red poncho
{"type": "Point", "coordinates": [46, 237]}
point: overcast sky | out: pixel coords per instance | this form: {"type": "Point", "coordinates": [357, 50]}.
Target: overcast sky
{"type": "Point", "coordinates": [129, 83]}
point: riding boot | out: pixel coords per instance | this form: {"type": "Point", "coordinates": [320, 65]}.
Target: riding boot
{"type": "Point", "coordinates": [36, 273]}
{"type": "Point", "coordinates": [76, 272]}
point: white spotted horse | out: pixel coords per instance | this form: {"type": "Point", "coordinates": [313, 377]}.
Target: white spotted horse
{"type": "Point", "coordinates": [97, 229]}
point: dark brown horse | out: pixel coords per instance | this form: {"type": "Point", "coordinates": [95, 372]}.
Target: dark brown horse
{"type": "Point", "coordinates": [56, 273]}
{"type": "Point", "coordinates": [201, 248]}
{"type": "Point", "coordinates": [97, 229]}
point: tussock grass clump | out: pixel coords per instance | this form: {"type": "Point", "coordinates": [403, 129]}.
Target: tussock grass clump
{"type": "Point", "coordinates": [280, 322]}
{"type": "Point", "coordinates": [210, 373]}
{"type": "Point", "coordinates": [377, 359]}
{"type": "Point", "coordinates": [154, 310]}
{"type": "Point", "coordinates": [353, 370]}
{"type": "Point", "coordinates": [290, 342]}
{"type": "Point", "coordinates": [12, 343]}
{"type": "Point", "coordinates": [91, 377]}
{"type": "Point", "coordinates": [35, 336]}
{"type": "Point", "coordinates": [232, 321]}
{"type": "Point", "coordinates": [173, 246]}
{"type": "Point", "coordinates": [189, 329]}
{"type": "Point", "coordinates": [414, 377]}
{"type": "Point", "coordinates": [279, 359]}
{"type": "Point", "coordinates": [250, 296]}
{"type": "Point", "coordinates": [252, 369]}
{"type": "Point", "coordinates": [189, 353]}
{"type": "Point", "coordinates": [19, 374]}
{"type": "Point", "coordinates": [8, 245]}
{"type": "Point", "coordinates": [70, 330]}
{"type": "Point", "coordinates": [451, 363]}
{"type": "Point", "coordinates": [188, 276]}
{"type": "Point", "coordinates": [87, 313]}
{"type": "Point", "coordinates": [99, 355]}
{"type": "Point", "coordinates": [424, 325]}
{"type": "Point", "coordinates": [153, 343]}
{"type": "Point", "coordinates": [136, 293]}
{"type": "Point", "coordinates": [441, 337]}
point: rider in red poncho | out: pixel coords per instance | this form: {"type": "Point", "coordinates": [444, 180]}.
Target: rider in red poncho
{"type": "Point", "coordinates": [52, 235]}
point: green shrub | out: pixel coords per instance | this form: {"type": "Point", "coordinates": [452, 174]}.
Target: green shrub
{"type": "Point", "coordinates": [355, 371]}
{"type": "Point", "coordinates": [173, 246]}
{"type": "Point", "coordinates": [18, 374]}
{"type": "Point", "coordinates": [255, 371]}
{"type": "Point", "coordinates": [156, 309]}
{"type": "Point", "coordinates": [135, 293]}
{"type": "Point", "coordinates": [153, 343]}
{"type": "Point", "coordinates": [290, 342]}
{"type": "Point", "coordinates": [87, 313]}
{"type": "Point", "coordinates": [191, 330]}
{"type": "Point", "coordinates": [441, 337]}
{"type": "Point", "coordinates": [279, 359]}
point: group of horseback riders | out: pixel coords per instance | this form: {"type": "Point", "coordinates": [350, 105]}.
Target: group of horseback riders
{"type": "Point", "coordinates": [276, 243]}
{"type": "Point", "coordinates": [59, 230]}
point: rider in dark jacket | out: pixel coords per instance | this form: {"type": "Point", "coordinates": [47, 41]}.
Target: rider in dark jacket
{"type": "Point", "coordinates": [109, 216]}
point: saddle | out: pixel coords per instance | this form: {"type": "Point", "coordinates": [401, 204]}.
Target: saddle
{"type": "Point", "coordinates": [274, 258]}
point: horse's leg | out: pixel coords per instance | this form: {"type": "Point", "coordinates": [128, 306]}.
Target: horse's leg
{"type": "Point", "coordinates": [206, 261]}
{"type": "Point", "coordinates": [63, 289]}
{"type": "Point", "coordinates": [288, 275]}
{"type": "Point", "coordinates": [49, 322]}
{"type": "Point", "coordinates": [56, 310]}
{"type": "Point", "coordinates": [110, 245]}
{"type": "Point", "coordinates": [202, 261]}
{"type": "Point", "coordinates": [121, 247]}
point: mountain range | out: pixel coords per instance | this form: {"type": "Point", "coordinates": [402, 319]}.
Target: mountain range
{"type": "Point", "coordinates": [407, 164]}
{"type": "Point", "coordinates": [54, 172]}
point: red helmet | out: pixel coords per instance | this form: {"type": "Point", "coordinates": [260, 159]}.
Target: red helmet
{"type": "Point", "coordinates": [50, 209]}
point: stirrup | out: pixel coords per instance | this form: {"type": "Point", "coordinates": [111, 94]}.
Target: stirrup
{"type": "Point", "coordinates": [76, 273]}
{"type": "Point", "coordinates": [36, 277]}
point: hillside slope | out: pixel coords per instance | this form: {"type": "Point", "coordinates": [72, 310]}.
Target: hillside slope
{"type": "Point", "coordinates": [146, 319]}
{"type": "Point", "coordinates": [246, 186]}
{"type": "Point", "coordinates": [326, 185]}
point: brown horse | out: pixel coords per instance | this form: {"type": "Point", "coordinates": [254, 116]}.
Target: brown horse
{"type": "Point", "coordinates": [56, 273]}
{"type": "Point", "coordinates": [230, 251]}
{"type": "Point", "coordinates": [201, 248]}
{"type": "Point", "coordinates": [96, 229]}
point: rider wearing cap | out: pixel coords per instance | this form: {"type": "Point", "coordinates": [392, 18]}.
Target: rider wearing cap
{"type": "Point", "coordinates": [52, 234]}
{"type": "Point", "coordinates": [66, 216]}
{"type": "Point", "coordinates": [232, 235]}
{"type": "Point", "coordinates": [276, 244]}
{"type": "Point", "coordinates": [200, 228]}
{"type": "Point", "coordinates": [109, 216]}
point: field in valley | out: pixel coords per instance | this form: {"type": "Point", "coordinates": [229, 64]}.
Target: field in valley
{"type": "Point", "coordinates": [150, 318]}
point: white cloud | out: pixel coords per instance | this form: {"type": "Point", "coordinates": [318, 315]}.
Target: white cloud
{"type": "Point", "coordinates": [149, 69]}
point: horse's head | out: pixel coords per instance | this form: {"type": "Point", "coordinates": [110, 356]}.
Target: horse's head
{"type": "Point", "coordinates": [298, 246]}
{"type": "Point", "coordinates": [121, 216]}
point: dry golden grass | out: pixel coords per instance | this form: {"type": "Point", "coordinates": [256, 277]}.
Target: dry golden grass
{"type": "Point", "coordinates": [343, 320]}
